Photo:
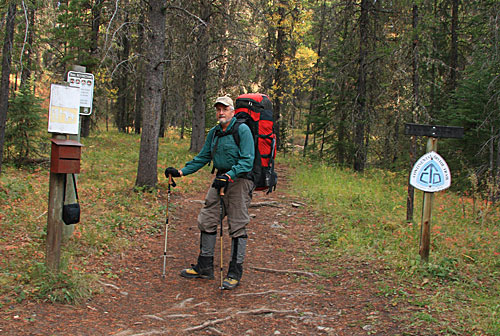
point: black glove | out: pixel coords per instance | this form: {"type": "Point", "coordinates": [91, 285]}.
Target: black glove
{"type": "Point", "coordinates": [172, 171]}
{"type": "Point", "coordinates": [221, 182]}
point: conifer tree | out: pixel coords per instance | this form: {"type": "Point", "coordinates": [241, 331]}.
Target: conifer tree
{"type": "Point", "coordinates": [5, 77]}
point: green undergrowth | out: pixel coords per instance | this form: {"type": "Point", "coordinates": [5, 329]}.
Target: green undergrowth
{"type": "Point", "coordinates": [366, 219]}
{"type": "Point", "coordinates": [113, 214]}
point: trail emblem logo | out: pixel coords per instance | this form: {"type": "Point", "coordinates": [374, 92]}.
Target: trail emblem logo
{"type": "Point", "coordinates": [430, 173]}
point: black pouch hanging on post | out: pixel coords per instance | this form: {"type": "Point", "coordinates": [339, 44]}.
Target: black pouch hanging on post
{"type": "Point", "coordinates": [71, 212]}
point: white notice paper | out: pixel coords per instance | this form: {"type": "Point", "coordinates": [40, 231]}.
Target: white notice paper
{"type": "Point", "coordinates": [64, 109]}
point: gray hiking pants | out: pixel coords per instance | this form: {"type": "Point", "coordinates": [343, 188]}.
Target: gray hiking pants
{"type": "Point", "coordinates": [236, 200]}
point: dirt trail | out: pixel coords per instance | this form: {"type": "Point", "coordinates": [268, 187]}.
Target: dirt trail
{"type": "Point", "coordinates": [268, 301]}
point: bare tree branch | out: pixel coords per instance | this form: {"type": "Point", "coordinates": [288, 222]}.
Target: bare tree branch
{"type": "Point", "coordinates": [189, 13]}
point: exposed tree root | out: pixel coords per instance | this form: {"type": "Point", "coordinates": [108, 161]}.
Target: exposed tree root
{"type": "Point", "coordinates": [283, 271]}
{"type": "Point", "coordinates": [274, 291]}
{"type": "Point", "coordinates": [208, 323]}
{"type": "Point", "coordinates": [257, 311]}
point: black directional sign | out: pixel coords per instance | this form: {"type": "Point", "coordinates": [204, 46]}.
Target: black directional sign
{"type": "Point", "coordinates": [434, 131]}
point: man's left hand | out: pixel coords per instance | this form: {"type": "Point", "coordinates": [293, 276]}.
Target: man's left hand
{"type": "Point", "coordinates": [221, 182]}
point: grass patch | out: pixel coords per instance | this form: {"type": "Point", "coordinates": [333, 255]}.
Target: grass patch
{"type": "Point", "coordinates": [366, 218]}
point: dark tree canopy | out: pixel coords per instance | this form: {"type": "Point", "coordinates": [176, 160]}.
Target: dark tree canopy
{"type": "Point", "coordinates": [344, 76]}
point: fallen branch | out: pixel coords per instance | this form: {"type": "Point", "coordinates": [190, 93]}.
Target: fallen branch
{"type": "Point", "coordinates": [153, 317]}
{"type": "Point", "coordinates": [108, 285]}
{"type": "Point", "coordinates": [265, 310]}
{"type": "Point", "coordinates": [257, 311]}
{"type": "Point", "coordinates": [283, 271]}
{"type": "Point", "coordinates": [274, 291]}
{"type": "Point", "coordinates": [146, 333]}
{"type": "Point", "coordinates": [184, 302]}
{"type": "Point", "coordinates": [41, 215]}
{"type": "Point", "coordinates": [208, 324]}
{"type": "Point", "coordinates": [218, 332]}
{"type": "Point", "coordinates": [262, 204]}
{"type": "Point", "coordinates": [179, 315]}
{"type": "Point", "coordinates": [274, 204]}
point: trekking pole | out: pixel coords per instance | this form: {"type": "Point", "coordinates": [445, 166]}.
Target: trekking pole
{"type": "Point", "coordinates": [221, 193]}
{"type": "Point", "coordinates": [166, 227]}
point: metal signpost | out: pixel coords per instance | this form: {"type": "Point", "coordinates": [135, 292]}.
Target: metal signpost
{"type": "Point", "coordinates": [430, 174]}
{"type": "Point", "coordinates": [84, 81]}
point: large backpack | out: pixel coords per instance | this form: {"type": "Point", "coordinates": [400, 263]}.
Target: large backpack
{"type": "Point", "coordinates": [256, 111]}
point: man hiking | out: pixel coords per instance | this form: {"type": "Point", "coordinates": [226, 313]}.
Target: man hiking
{"type": "Point", "coordinates": [233, 162]}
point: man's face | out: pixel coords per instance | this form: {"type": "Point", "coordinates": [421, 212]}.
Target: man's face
{"type": "Point", "coordinates": [224, 113]}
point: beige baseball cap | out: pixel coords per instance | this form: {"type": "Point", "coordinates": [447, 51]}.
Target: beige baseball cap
{"type": "Point", "coordinates": [224, 101]}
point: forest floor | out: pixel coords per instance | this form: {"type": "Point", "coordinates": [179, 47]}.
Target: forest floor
{"type": "Point", "coordinates": [286, 289]}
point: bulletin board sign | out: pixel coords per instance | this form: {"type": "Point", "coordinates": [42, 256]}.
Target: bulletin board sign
{"type": "Point", "coordinates": [64, 109]}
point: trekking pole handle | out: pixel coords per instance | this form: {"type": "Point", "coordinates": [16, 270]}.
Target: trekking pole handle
{"type": "Point", "coordinates": [169, 179]}
{"type": "Point", "coordinates": [221, 191]}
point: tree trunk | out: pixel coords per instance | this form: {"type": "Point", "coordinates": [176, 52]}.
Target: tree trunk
{"type": "Point", "coordinates": [322, 146]}
{"type": "Point", "coordinates": [454, 45]}
{"type": "Point", "coordinates": [164, 105]}
{"type": "Point", "coordinates": [360, 113]}
{"type": "Point", "coordinates": [140, 80]}
{"type": "Point", "coordinates": [200, 80]}
{"type": "Point", "coordinates": [26, 73]}
{"type": "Point", "coordinates": [155, 41]}
{"type": "Point", "coordinates": [122, 100]}
{"type": "Point", "coordinates": [267, 81]}
{"type": "Point", "coordinates": [497, 173]}
{"type": "Point", "coordinates": [223, 50]}
{"type": "Point", "coordinates": [491, 174]}
{"type": "Point", "coordinates": [433, 72]}
{"type": "Point", "coordinates": [165, 95]}
{"type": "Point", "coordinates": [96, 22]}
{"type": "Point", "coordinates": [138, 99]}
{"type": "Point", "coordinates": [4, 80]}
{"type": "Point", "coordinates": [279, 76]}
{"type": "Point", "coordinates": [314, 80]}
{"type": "Point", "coordinates": [342, 132]}
{"type": "Point", "coordinates": [410, 200]}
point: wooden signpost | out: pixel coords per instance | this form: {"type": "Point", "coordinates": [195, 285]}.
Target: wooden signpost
{"type": "Point", "coordinates": [67, 102]}
{"type": "Point", "coordinates": [430, 174]}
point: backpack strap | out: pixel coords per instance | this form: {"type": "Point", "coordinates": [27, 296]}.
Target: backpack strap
{"type": "Point", "coordinates": [236, 135]}
{"type": "Point", "coordinates": [219, 134]}
{"type": "Point", "coordinates": [234, 132]}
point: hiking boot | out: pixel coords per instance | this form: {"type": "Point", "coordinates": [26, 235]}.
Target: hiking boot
{"type": "Point", "coordinates": [233, 275]}
{"type": "Point", "coordinates": [204, 269]}
{"type": "Point", "coordinates": [230, 283]}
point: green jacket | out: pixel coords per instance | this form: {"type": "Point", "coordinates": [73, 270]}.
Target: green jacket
{"type": "Point", "coordinates": [227, 157]}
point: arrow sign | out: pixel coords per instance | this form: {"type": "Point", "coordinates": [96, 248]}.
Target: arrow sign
{"type": "Point", "coordinates": [430, 173]}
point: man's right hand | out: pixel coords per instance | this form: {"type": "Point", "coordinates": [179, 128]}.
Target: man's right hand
{"type": "Point", "coordinates": [172, 171]}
